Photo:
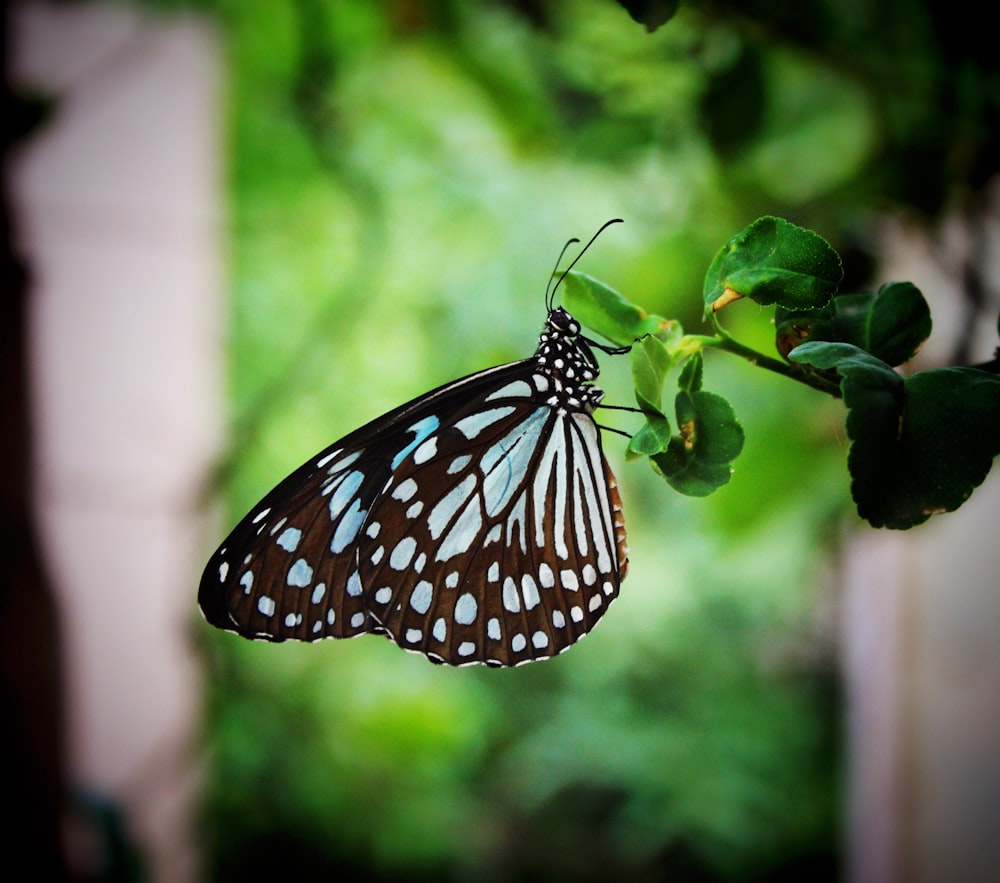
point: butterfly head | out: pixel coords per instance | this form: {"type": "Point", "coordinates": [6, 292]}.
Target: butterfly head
{"type": "Point", "coordinates": [561, 321]}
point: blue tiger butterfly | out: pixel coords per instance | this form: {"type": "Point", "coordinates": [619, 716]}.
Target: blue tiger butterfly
{"type": "Point", "coordinates": [478, 523]}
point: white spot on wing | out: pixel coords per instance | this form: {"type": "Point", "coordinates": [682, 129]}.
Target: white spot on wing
{"type": "Point", "coordinates": [466, 610]}
{"type": "Point", "coordinates": [353, 587]}
{"type": "Point", "coordinates": [322, 461]}
{"type": "Point", "coordinates": [511, 598]}
{"type": "Point", "coordinates": [530, 592]}
{"type": "Point", "coordinates": [420, 599]}
{"type": "Point", "coordinates": [300, 574]}
{"type": "Point", "coordinates": [289, 539]}
{"type": "Point", "coordinates": [402, 555]}
{"type": "Point", "coordinates": [425, 452]}
{"type": "Point", "coordinates": [404, 490]}
{"type": "Point", "coordinates": [545, 576]}
{"type": "Point", "coordinates": [341, 464]}
{"type": "Point", "coordinates": [280, 523]}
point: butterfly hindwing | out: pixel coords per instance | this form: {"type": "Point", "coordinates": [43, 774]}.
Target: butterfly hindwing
{"type": "Point", "coordinates": [501, 540]}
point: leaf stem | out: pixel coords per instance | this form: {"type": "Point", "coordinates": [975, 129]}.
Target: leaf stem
{"type": "Point", "coordinates": [723, 341]}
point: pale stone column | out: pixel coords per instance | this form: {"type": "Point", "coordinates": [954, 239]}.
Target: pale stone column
{"type": "Point", "coordinates": [118, 203]}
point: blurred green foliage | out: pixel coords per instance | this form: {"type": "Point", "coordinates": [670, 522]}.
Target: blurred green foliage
{"type": "Point", "coordinates": [402, 176]}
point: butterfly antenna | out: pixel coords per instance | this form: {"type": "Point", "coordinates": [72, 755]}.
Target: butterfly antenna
{"type": "Point", "coordinates": [550, 291]}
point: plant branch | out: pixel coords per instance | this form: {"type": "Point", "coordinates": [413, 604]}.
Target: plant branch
{"type": "Point", "coordinates": [723, 341]}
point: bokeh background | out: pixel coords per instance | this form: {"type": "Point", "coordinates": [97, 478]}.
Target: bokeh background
{"type": "Point", "coordinates": [246, 228]}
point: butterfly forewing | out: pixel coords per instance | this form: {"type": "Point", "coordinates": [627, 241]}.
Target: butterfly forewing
{"type": "Point", "coordinates": [283, 572]}
{"type": "Point", "coordinates": [288, 569]}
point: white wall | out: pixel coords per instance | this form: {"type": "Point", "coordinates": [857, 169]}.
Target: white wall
{"type": "Point", "coordinates": [119, 212]}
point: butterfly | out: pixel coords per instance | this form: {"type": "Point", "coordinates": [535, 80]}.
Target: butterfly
{"type": "Point", "coordinates": [478, 523]}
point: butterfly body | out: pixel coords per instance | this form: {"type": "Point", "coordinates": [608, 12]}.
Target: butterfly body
{"type": "Point", "coordinates": [478, 523]}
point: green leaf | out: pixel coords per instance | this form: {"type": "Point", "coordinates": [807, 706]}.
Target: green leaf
{"type": "Point", "coordinates": [951, 433]}
{"type": "Point", "coordinates": [891, 323]}
{"type": "Point", "coordinates": [715, 433]}
{"type": "Point", "coordinates": [652, 438]}
{"type": "Point", "coordinates": [688, 476]}
{"type": "Point", "coordinates": [921, 444]}
{"type": "Point", "coordinates": [650, 363]}
{"type": "Point", "coordinates": [697, 461]}
{"type": "Point", "coordinates": [774, 261]}
{"type": "Point", "coordinates": [691, 374]}
{"type": "Point", "coordinates": [605, 311]}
